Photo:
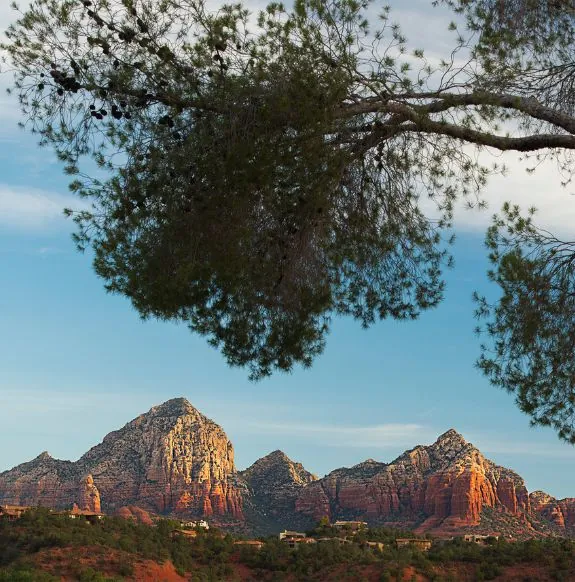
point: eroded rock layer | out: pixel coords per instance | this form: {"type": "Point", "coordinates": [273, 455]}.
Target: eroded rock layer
{"type": "Point", "coordinates": [560, 511]}
{"type": "Point", "coordinates": [175, 461]}
{"type": "Point", "coordinates": [445, 486]}
{"type": "Point", "coordinates": [170, 460]}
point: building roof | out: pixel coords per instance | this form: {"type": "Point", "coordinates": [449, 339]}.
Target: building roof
{"type": "Point", "coordinates": [15, 507]}
{"type": "Point", "coordinates": [14, 510]}
{"type": "Point", "coordinates": [85, 513]}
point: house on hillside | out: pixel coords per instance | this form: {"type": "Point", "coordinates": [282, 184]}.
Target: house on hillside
{"type": "Point", "coordinates": [295, 542]}
{"type": "Point", "coordinates": [291, 534]}
{"type": "Point", "coordinates": [479, 539]}
{"type": "Point", "coordinates": [13, 512]}
{"type": "Point", "coordinates": [200, 523]}
{"type": "Point", "coordinates": [420, 544]}
{"type": "Point", "coordinates": [352, 526]}
{"type": "Point", "coordinates": [89, 516]}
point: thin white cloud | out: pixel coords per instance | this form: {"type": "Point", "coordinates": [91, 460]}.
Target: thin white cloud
{"type": "Point", "coordinates": [403, 435]}
{"type": "Point", "coordinates": [48, 251]}
{"type": "Point", "coordinates": [31, 209]}
{"type": "Point", "coordinates": [389, 435]}
{"type": "Point", "coordinates": [42, 402]}
{"type": "Point", "coordinates": [500, 446]}
{"type": "Point", "coordinates": [542, 189]}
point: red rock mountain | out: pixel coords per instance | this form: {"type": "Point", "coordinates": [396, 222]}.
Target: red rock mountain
{"type": "Point", "coordinates": [443, 488]}
{"type": "Point", "coordinates": [560, 511]}
{"type": "Point", "coordinates": [175, 461]}
{"type": "Point", "coordinates": [170, 460]}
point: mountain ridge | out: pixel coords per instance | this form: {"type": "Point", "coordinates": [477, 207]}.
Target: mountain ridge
{"type": "Point", "coordinates": [173, 460]}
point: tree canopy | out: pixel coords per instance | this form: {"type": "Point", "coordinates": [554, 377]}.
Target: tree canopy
{"type": "Point", "coordinates": [256, 175]}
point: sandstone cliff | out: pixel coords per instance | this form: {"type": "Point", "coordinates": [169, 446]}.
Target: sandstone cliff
{"type": "Point", "coordinates": [42, 481]}
{"type": "Point", "coordinates": [559, 511]}
{"type": "Point", "coordinates": [175, 461]}
{"type": "Point", "coordinates": [443, 487]}
{"type": "Point", "coordinates": [89, 498]}
{"type": "Point", "coordinates": [170, 460]}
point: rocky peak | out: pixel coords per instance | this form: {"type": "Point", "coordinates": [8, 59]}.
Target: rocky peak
{"type": "Point", "coordinates": [167, 415]}
{"type": "Point", "coordinates": [273, 484]}
{"type": "Point", "coordinates": [450, 447]}
{"type": "Point", "coordinates": [278, 469]}
{"type": "Point", "coordinates": [365, 469]}
{"type": "Point", "coordinates": [174, 407]}
{"type": "Point", "coordinates": [450, 444]}
{"type": "Point", "coordinates": [450, 438]}
{"type": "Point", "coordinates": [539, 498]}
{"type": "Point", "coordinates": [449, 482]}
{"type": "Point", "coordinates": [44, 459]}
{"type": "Point", "coordinates": [172, 459]}
{"type": "Point", "coordinates": [559, 511]}
{"type": "Point", "coordinates": [276, 456]}
{"type": "Point", "coordinates": [43, 456]}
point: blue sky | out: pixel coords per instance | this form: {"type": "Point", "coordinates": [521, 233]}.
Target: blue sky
{"type": "Point", "coordinates": [76, 362]}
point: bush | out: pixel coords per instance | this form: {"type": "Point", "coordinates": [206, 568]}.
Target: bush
{"type": "Point", "coordinates": [25, 575]}
{"type": "Point", "coordinates": [126, 567]}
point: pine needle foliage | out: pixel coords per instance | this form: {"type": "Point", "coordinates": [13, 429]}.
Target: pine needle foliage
{"type": "Point", "coordinates": [255, 175]}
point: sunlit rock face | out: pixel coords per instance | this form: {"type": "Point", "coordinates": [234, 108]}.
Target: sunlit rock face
{"type": "Point", "coordinates": [89, 496]}
{"type": "Point", "coordinates": [443, 487]}
{"type": "Point", "coordinates": [174, 461]}
{"type": "Point", "coordinates": [560, 511]}
{"type": "Point", "coordinates": [171, 460]}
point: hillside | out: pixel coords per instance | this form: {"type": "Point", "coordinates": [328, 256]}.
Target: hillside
{"type": "Point", "coordinates": [44, 547]}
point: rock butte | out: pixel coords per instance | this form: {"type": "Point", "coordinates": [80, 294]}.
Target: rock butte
{"type": "Point", "coordinates": [443, 488]}
{"type": "Point", "coordinates": [174, 461]}
{"type": "Point", "coordinates": [171, 460]}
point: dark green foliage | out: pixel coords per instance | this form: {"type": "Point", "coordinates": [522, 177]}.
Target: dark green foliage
{"type": "Point", "coordinates": [532, 326]}
{"type": "Point", "coordinates": [211, 558]}
{"type": "Point", "coordinates": [24, 574]}
{"type": "Point", "coordinates": [542, 26]}
{"type": "Point", "coordinates": [249, 204]}
{"type": "Point", "coordinates": [256, 183]}
{"type": "Point", "coordinates": [556, 554]}
{"type": "Point", "coordinates": [40, 529]}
